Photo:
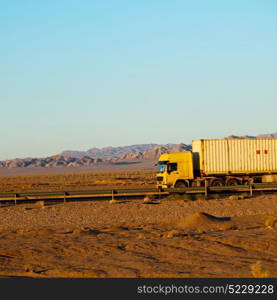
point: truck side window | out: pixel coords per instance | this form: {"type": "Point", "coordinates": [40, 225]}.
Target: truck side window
{"type": "Point", "coordinates": [171, 167]}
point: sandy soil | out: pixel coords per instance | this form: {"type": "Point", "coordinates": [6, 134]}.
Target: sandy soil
{"type": "Point", "coordinates": [98, 167]}
{"type": "Point", "coordinates": [77, 181]}
{"type": "Point", "coordinates": [132, 239]}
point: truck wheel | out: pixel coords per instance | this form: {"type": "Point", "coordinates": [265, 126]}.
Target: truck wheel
{"type": "Point", "coordinates": [232, 182]}
{"type": "Point", "coordinates": [181, 185]}
{"type": "Point", "coordinates": [217, 182]}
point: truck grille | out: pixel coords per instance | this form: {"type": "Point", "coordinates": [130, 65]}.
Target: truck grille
{"type": "Point", "coordinates": [159, 178]}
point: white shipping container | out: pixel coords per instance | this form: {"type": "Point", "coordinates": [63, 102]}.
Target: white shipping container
{"type": "Point", "coordinates": [235, 156]}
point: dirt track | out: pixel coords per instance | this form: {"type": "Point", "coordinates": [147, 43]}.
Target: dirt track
{"type": "Point", "coordinates": [132, 239]}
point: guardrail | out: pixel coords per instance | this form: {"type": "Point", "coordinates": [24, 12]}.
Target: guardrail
{"type": "Point", "coordinates": [131, 193]}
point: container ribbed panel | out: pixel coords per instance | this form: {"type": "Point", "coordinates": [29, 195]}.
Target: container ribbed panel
{"type": "Point", "coordinates": [227, 156]}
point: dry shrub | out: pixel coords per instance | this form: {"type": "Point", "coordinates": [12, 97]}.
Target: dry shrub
{"type": "Point", "coordinates": [148, 199]}
{"type": "Point", "coordinates": [259, 271]}
{"type": "Point", "coordinates": [185, 197]}
{"type": "Point", "coordinates": [234, 197]}
{"type": "Point", "coordinates": [28, 268]}
{"type": "Point", "coordinates": [45, 231]}
{"type": "Point", "coordinates": [215, 196]}
{"type": "Point", "coordinates": [40, 204]}
{"type": "Point", "coordinates": [21, 231]}
{"type": "Point", "coordinates": [196, 197]}
{"type": "Point", "coordinates": [76, 231]}
{"type": "Point", "coordinates": [107, 182]}
{"type": "Point", "coordinates": [237, 197]}
{"type": "Point", "coordinates": [142, 236]}
{"type": "Point", "coordinates": [84, 231]}
{"type": "Point", "coordinates": [177, 197]}
{"type": "Point", "coordinates": [271, 222]}
{"type": "Point", "coordinates": [172, 233]}
{"type": "Point", "coordinates": [113, 201]}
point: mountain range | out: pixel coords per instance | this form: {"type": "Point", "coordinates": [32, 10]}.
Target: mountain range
{"type": "Point", "coordinates": [139, 152]}
{"type": "Point", "coordinates": [260, 136]}
{"type": "Point", "coordinates": [110, 152]}
{"type": "Point", "coordinates": [93, 156]}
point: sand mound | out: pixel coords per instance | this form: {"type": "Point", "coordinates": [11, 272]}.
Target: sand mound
{"type": "Point", "coordinates": [203, 222]}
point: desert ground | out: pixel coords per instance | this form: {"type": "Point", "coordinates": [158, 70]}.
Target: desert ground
{"type": "Point", "coordinates": [70, 181]}
{"type": "Point", "coordinates": [171, 237]}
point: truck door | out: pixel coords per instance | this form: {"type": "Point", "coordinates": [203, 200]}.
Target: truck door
{"type": "Point", "coordinates": [173, 173]}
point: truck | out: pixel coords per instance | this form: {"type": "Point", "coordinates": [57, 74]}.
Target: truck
{"type": "Point", "coordinates": [219, 162]}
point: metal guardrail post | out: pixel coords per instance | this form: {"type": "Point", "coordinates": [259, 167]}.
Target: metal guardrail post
{"type": "Point", "coordinates": [15, 198]}
{"type": "Point", "coordinates": [159, 193]}
{"type": "Point", "coordinates": [64, 197]}
{"type": "Point", "coordinates": [251, 189]}
{"type": "Point", "coordinates": [206, 189]}
{"type": "Point", "coordinates": [112, 195]}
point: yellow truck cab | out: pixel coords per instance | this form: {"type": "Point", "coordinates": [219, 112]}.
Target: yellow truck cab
{"type": "Point", "coordinates": [175, 170]}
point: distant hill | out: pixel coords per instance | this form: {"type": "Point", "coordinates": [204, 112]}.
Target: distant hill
{"type": "Point", "coordinates": [267, 136]}
{"type": "Point", "coordinates": [109, 152]}
{"type": "Point", "coordinates": [51, 161]}
{"type": "Point", "coordinates": [240, 137]}
{"type": "Point", "coordinates": [140, 152]}
{"type": "Point", "coordinates": [154, 152]}
{"type": "Point", "coordinates": [260, 136]}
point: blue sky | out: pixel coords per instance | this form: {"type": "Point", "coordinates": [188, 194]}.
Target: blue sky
{"type": "Point", "coordinates": [82, 74]}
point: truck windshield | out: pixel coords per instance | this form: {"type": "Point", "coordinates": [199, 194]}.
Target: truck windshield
{"type": "Point", "coordinates": [161, 167]}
